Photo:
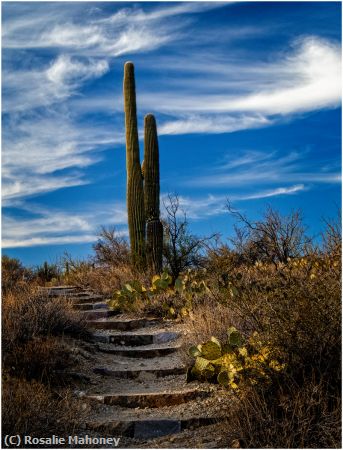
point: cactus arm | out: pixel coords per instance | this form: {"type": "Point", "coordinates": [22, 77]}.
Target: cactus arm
{"type": "Point", "coordinates": [135, 194]}
{"type": "Point", "coordinates": [152, 195]}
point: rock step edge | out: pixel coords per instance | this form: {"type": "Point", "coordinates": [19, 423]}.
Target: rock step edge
{"type": "Point", "coordinates": [150, 428]}
{"type": "Point", "coordinates": [132, 374]}
{"type": "Point", "coordinates": [149, 400]}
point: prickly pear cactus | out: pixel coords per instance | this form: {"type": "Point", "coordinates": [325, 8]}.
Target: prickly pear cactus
{"type": "Point", "coordinates": [233, 362]}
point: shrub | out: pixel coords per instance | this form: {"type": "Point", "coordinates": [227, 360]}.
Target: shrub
{"type": "Point", "coordinates": [13, 274]}
{"type": "Point", "coordinates": [30, 408]}
{"type": "Point", "coordinates": [29, 322]}
{"type": "Point", "coordinates": [104, 279]}
{"type": "Point", "coordinates": [47, 272]}
{"type": "Point", "coordinates": [288, 416]}
{"type": "Point", "coordinates": [111, 249]}
{"type": "Point", "coordinates": [274, 239]}
{"type": "Point", "coordinates": [181, 249]}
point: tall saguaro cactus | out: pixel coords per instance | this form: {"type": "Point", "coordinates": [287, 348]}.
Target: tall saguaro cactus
{"type": "Point", "coordinates": [135, 194]}
{"type": "Point", "coordinates": [154, 226]}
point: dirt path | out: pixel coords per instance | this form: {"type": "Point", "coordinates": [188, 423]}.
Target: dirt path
{"type": "Point", "coordinates": [137, 387]}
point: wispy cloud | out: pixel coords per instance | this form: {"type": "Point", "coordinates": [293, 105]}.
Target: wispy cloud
{"type": "Point", "coordinates": [129, 29]}
{"type": "Point", "coordinates": [46, 153]}
{"type": "Point", "coordinates": [273, 192]}
{"type": "Point", "coordinates": [213, 124]}
{"type": "Point", "coordinates": [307, 78]}
{"type": "Point", "coordinates": [53, 227]}
{"type": "Point", "coordinates": [52, 83]}
{"type": "Point", "coordinates": [213, 205]}
{"type": "Point", "coordinates": [266, 168]}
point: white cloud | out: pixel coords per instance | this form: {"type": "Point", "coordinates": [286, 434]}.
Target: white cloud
{"type": "Point", "coordinates": [52, 227]}
{"type": "Point", "coordinates": [138, 15]}
{"type": "Point", "coordinates": [70, 71]}
{"type": "Point", "coordinates": [34, 242]}
{"type": "Point", "coordinates": [29, 89]}
{"type": "Point", "coordinates": [213, 124]}
{"type": "Point", "coordinates": [308, 78]}
{"type": "Point", "coordinates": [129, 29]}
{"type": "Point", "coordinates": [20, 186]}
{"type": "Point", "coordinates": [37, 149]}
{"type": "Point", "coordinates": [265, 168]}
{"type": "Point", "coordinates": [273, 192]}
{"type": "Point", "coordinates": [213, 205]}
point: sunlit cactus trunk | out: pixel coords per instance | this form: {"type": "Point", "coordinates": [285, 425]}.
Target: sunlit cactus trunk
{"type": "Point", "coordinates": [135, 195]}
{"type": "Point", "coordinates": [154, 226]}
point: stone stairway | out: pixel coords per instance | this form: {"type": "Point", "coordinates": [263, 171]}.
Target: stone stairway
{"type": "Point", "coordinates": [138, 385]}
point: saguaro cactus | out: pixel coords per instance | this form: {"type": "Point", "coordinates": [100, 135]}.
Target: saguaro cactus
{"type": "Point", "coordinates": [135, 194]}
{"type": "Point", "coordinates": [154, 226]}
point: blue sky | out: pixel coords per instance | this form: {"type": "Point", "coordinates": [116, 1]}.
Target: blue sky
{"type": "Point", "coordinates": [247, 99]}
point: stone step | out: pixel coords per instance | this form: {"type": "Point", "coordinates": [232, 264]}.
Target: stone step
{"type": "Point", "coordinates": [150, 428]}
{"type": "Point", "coordinates": [141, 373]}
{"type": "Point", "coordinates": [96, 314]}
{"type": "Point", "coordinates": [149, 399]}
{"type": "Point", "coordinates": [122, 324]}
{"type": "Point", "coordinates": [148, 351]}
{"type": "Point", "coordinates": [85, 298]}
{"type": "Point", "coordinates": [89, 306]}
{"type": "Point", "coordinates": [135, 339]}
{"type": "Point", "coordinates": [58, 292]}
{"type": "Point", "coordinates": [59, 288]}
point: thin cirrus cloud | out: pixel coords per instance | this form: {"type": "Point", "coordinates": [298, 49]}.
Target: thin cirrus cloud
{"type": "Point", "coordinates": [308, 78]}
{"type": "Point", "coordinates": [52, 227]}
{"type": "Point", "coordinates": [263, 168]}
{"type": "Point", "coordinates": [54, 144]}
{"type": "Point", "coordinates": [129, 29]}
{"type": "Point", "coordinates": [213, 205]}
{"type": "Point", "coordinates": [53, 83]}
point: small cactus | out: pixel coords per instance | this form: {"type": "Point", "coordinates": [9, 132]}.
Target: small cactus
{"type": "Point", "coordinates": [135, 195]}
{"type": "Point", "coordinates": [210, 350]}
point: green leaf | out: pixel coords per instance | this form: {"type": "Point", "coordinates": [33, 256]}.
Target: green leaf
{"type": "Point", "coordinates": [234, 336]}
{"type": "Point", "coordinates": [179, 285]}
{"type": "Point", "coordinates": [165, 276]}
{"type": "Point", "coordinates": [227, 348]}
{"type": "Point", "coordinates": [211, 350]}
{"type": "Point", "coordinates": [201, 364]}
{"type": "Point", "coordinates": [162, 284]}
{"type": "Point", "coordinates": [155, 278]}
{"type": "Point", "coordinates": [223, 378]}
{"type": "Point", "coordinates": [128, 287]}
{"type": "Point", "coordinates": [216, 341]}
{"type": "Point", "coordinates": [112, 303]}
{"type": "Point", "coordinates": [243, 352]}
{"type": "Point", "coordinates": [194, 351]}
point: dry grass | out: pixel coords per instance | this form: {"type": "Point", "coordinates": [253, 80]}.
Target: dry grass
{"type": "Point", "coordinates": [30, 408]}
{"type": "Point", "coordinates": [34, 351]}
{"type": "Point", "coordinates": [291, 416]}
{"type": "Point", "coordinates": [34, 327]}
{"type": "Point", "coordinates": [104, 280]}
